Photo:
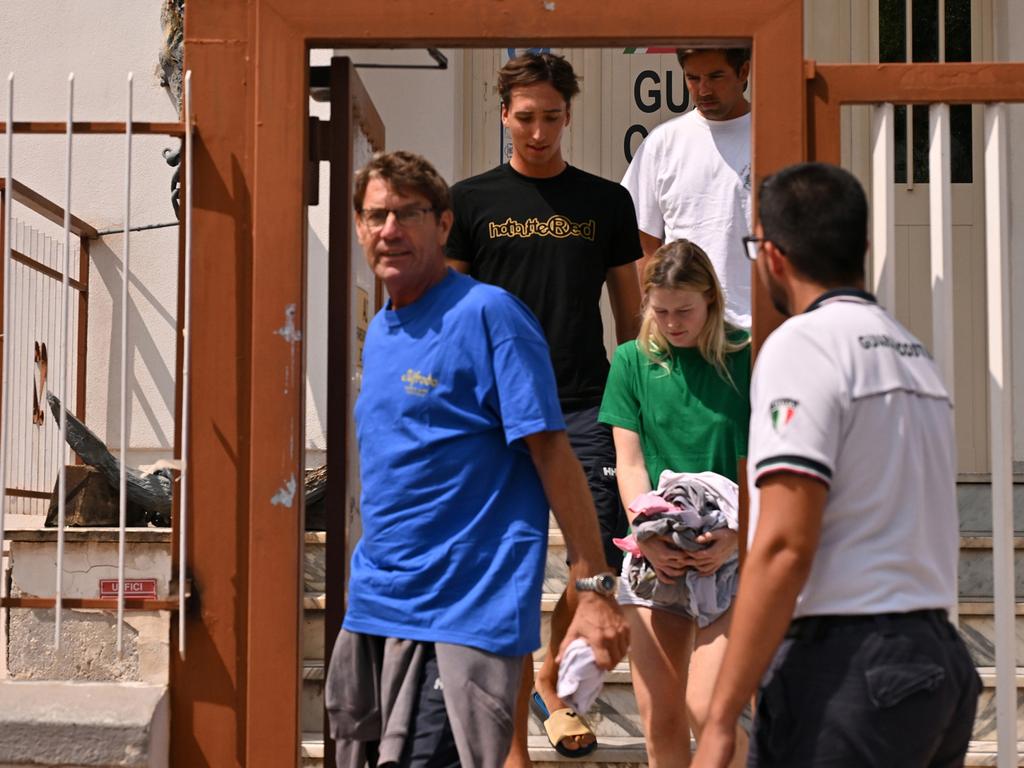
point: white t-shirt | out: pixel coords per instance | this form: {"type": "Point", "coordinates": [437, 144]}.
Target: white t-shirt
{"type": "Point", "coordinates": [844, 394]}
{"type": "Point", "coordinates": [690, 178]}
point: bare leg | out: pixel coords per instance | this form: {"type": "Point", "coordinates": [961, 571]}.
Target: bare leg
{"type": "Point", "coordinates": [547, 675]}
{"type": "Point", "coordinates": [519, 755]}
{"type": "Point", "coordinates": [546, 683]}
{"type": "Point", "coordinates": [706, 660]}
{"type": "Point", "coordinates": [659, 656]}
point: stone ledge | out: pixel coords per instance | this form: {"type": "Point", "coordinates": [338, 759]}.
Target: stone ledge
{"type": "Point", "coordinates": [132, 535]}
{"type": "Point", "coordinates": [100, 725]}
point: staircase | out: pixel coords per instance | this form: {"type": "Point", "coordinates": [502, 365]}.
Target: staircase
{"type": "Point", "coordinates": [615, 718]}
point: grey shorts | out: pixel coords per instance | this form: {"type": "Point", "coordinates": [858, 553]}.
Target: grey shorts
{"type": "Point", "coordinates": [406, 702]}
{"type": "Point", "coordinates": [626, 596]}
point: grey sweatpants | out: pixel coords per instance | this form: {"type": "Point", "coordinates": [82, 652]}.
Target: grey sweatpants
{"type": "Point", "coordinates": [371, 692]}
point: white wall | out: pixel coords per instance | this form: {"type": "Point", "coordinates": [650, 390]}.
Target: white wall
{"type": "Point", "coordinates": [420, 113]}
{"type": "Point", "coordinates": [420, 108]}
{"type": "Point", "coordinates": [1009, 46]}
{"type": "Point", "coordinates": [41, 41]}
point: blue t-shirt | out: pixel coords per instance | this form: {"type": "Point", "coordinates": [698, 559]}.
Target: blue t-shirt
{"type": "Point", "coordinates": [454, 516]}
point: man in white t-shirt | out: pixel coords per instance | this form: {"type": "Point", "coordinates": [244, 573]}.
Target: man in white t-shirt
{"type": "Point", "coordinates": [853, 518]}
{"type": "Point", "coordinates": [690, 178]}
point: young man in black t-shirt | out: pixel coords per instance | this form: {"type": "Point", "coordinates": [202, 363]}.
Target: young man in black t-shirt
{"type": "Point", "coordinates": [553, 235]}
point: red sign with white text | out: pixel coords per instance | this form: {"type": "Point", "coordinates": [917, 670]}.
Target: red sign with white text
{"type": "Point", "coordinates": [137, 588]}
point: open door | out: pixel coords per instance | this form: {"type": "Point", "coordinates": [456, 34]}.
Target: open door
{"type": "Point", "coordinates": [354, 296]}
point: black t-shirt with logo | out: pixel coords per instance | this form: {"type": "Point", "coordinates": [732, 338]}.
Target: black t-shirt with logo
{"type": "Point", "coordinates": [550, 242]}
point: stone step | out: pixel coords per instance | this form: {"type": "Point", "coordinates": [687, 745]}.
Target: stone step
{"type": "Point", "coordinates": [615, 713]}
{"type": "Point", "coordinates": [985, 719]}
{"type": "Point", "coordinates": [313, 606]}
{"type": "Point", "coordinates": [79, 724]}
{"type": "Point", "coordinates": [984, 753]}
{"type": "Point", "coordinates": [612, 752]}
{"type": "Point", "coordinates": [976, 622]}
{"type": "Point", "coordinates": [313, 567]}
{"type": "Point", "coordinates": [627, 752]}
{"type": "Point", "coordinates": [975, 567]}
{"type": "Point", "coordinates": [977, 627]}
{"type": "Point", "coordinates": [974, 504]}
{"type": "Point", "coordinates": [974, 572]}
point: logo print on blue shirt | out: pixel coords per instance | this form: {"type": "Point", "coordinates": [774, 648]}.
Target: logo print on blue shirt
{"type": "Point", "coordinates": [418, 384]}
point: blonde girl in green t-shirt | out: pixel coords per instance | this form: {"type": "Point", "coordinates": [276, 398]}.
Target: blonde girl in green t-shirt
{"type": "Point", "coordinates": [678, 398]}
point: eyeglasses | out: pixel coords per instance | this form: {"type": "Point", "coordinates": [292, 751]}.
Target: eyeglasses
{"type": "Point", "coordinates": [752, 246]}
{"type": "Point", "coordinates": [376, 218]}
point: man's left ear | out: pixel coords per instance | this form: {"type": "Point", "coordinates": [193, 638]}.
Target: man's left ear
{"type": "Point", "coordinates": [744, 74]}
{"type": "Point", "coordinates": [445, 221]}
{"type": "Point", "coordinates": [777, 261]}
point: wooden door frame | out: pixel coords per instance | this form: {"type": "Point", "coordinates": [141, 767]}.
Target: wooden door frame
{"type": "Point", "coordinates": [235, 699]}
{"type": "Point", "coordinates": [832, 86]}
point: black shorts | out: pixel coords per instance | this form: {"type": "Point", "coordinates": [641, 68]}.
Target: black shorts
{"type": "Point", "coordinates": [592, 443]}
{"type": "Point", "coordinates": [432, 744]}
{"type": "Point", "coordinates": [885, 690]}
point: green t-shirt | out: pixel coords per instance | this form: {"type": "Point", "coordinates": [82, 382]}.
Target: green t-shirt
{"type": "Point", "coordinates": [689, 418]}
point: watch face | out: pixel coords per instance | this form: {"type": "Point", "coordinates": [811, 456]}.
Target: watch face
{"type": "Point", "coordinates": [605, 584]}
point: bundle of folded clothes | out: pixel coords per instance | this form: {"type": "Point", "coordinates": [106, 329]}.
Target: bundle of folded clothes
{"type": "Point", "coordinates": [684, 506]}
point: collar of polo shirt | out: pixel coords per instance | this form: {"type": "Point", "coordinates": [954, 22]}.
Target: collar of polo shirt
{"type": "Point", "coordinates": [842, 294]}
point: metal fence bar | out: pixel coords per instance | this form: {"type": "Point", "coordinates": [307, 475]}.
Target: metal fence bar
{"type": "Point", "coordinates": [62, 482]}
{"type": "Point", "coordinates": [941, 233]}
{"type": "Point", "coordinates": [82, 326]}
{"type": "Point", "coordinates": [125, 266]}
{"type": "Point", "coordinates": [7, 203]}
{"type": "Point", "coordinates": [883, 206]}
{"type": "Point", "coordinates": [185, 366]}
{"type": "Point", "coordinates": [96, 128]}
{"type": "Point", "coordinates": [32, 264]}
{"type": "Point", "coordinates": [997, 281]}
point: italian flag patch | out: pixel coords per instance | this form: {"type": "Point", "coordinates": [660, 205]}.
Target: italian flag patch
{"type": "Point", "coordinates": [782, 412]}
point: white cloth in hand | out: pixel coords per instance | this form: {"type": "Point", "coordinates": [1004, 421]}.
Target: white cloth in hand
{"type": "Point", "coordinates": [579, 678]}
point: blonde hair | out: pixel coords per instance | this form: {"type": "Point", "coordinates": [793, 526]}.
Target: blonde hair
{"type": "Point", "coordinates": [682, 265]}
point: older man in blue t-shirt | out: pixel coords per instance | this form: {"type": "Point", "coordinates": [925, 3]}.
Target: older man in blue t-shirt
{"type": "Point", "coordinates": [462, 450]}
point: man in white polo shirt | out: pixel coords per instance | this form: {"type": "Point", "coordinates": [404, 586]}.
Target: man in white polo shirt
{"type": "Point", "coordinates": [854, 531]}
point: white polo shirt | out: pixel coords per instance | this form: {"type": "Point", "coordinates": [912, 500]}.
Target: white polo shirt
{"type": "Point", "coordinates": [846, 395]}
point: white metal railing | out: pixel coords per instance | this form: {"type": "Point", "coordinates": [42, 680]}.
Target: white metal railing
{"type": "Point", "coordinates": [62, 482]}
{"type": "Point", "coordinates": [999, 348]}
{"type": "Point", "coordinates": [123, 442]}
{"type": "Point", "coordinates": [4, 405]}
{"type": "Point", "coordinates": [941, 229]}
{"type": "Point", "coordinates": [1001, 424]}
{"type": "Point", "coordinates": [62, 351]}
{"type": "Point", "coordinates": [883, 208]}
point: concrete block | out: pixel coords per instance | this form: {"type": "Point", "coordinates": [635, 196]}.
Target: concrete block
{"type": "Point", "coordinates": [90, 554]}
{"type": "Point", "coordinates": [88, 646]}
{"type": "Point", "coordinates": [89, 639]}
{"type": "Point", "coordinates": [100, 725]}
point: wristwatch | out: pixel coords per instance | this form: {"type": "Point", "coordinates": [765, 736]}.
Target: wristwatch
{"type": "Point", "coordinates": [602, 583]}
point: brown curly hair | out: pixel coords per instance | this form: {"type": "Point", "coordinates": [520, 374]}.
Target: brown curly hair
{"type": "Point", "coordinates": [530, 68]}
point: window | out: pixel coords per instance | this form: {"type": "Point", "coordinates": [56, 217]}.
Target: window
{"type": "Point", "coordinates": [928, 41]}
